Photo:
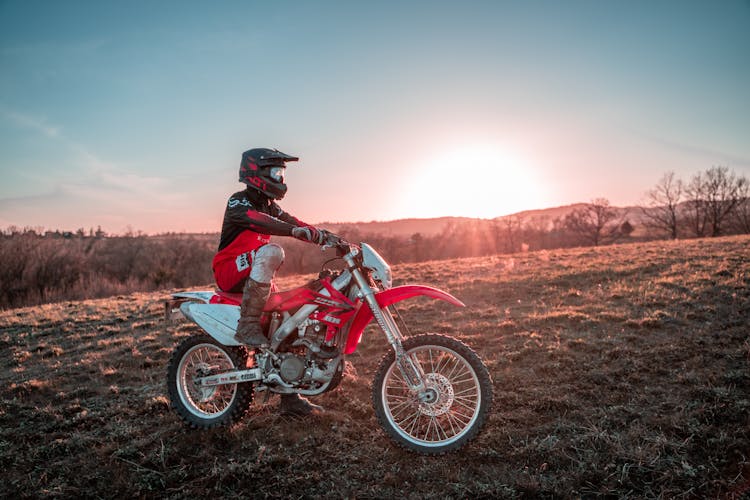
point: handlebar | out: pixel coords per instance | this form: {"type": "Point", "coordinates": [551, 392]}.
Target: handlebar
{"type": "Point", "coordinates": [345, 248]}
{"type": "Point", "coordinates": [342, 246]}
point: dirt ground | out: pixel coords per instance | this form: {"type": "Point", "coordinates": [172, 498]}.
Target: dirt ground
{"type": "Point", "coordinates": [619, 371]}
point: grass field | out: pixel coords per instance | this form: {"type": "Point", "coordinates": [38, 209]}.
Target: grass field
{"type": "Point", "coordinates": [621, 371]}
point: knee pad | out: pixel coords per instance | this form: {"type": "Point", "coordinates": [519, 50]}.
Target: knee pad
{"type": "Point", "coordinates": [266, 260]}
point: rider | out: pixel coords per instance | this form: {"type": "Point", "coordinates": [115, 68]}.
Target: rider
{"type": "Point", "coordinates": [246, 260]}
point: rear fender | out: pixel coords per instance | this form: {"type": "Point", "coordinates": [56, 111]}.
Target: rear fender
{"type": "Point", "coordinates": [386, 298]}
{"type": "Point", "coordinates": [202, 296]}
{"type": "Point", "coordinates": [172, 309]}
{"type": "Point", "coordinates": [217, 320]}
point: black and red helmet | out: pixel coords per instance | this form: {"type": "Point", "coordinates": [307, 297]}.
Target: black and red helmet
{"type": "Point", "coordinates": [263, 169]}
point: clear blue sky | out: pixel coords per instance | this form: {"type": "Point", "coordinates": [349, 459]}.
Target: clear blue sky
{"type": "Point", "coordinates": [135, 114]}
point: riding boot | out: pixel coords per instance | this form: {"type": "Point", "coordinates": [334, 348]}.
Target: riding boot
{"type": "Point", "coordinates": [293, 404]}
{"type": "Point", "coordinates": [254, 297]}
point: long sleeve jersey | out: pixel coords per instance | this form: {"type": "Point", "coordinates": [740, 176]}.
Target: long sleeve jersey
{"type": "Point", "coordinates": [250, 219]}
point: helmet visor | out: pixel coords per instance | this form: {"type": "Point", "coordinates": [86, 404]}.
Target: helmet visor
{"type": "Point", "coordinates": [277, 173]}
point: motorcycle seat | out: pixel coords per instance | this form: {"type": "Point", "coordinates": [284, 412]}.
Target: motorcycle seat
{"type": "Point", "coordinates": [222, 297]}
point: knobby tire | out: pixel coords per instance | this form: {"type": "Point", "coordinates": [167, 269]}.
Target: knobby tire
{"type": "Point", "coordinates": [235, 357]}
{"type": "Point", "coordinates": [469, 369]}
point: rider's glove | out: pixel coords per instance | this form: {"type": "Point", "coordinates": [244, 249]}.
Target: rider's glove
{"type": "Point", "coordinates": [311, 234]}
{"type": "Point", "coordinates": [330, 239]}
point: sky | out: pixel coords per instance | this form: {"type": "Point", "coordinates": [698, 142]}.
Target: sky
{"type": "Point", "coordinates": [134, 115]}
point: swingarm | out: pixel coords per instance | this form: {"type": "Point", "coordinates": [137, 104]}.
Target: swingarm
{"type": "Point", "coordinates": [233, 377]}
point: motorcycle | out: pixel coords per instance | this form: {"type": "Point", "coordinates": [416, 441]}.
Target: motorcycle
{"type": "Point", "coordinates": [431, 392]}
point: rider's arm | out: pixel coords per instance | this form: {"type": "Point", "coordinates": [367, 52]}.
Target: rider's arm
{"type": "Point", "coordinates": [240, 211]}
{"type": "Point", "coordinates": [277, 212]}
{"type": "Point", "coordinates": [302, 230]}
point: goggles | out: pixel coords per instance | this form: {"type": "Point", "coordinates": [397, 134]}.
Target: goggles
{"type": "Point", "coordinates": [277, 173]}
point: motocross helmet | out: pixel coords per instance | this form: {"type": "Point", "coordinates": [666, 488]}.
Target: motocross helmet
{"type": "Point", "coordinates": [263, 170]}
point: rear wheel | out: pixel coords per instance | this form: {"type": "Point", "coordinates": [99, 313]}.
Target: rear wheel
{"type": "Point", "coordinates": [207, 407]}
{"type": "Point", "coordinates": [452, 409]}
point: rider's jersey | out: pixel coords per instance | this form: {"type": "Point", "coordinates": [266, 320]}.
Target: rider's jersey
{"type": "Point", "coordinates": [250, 219]}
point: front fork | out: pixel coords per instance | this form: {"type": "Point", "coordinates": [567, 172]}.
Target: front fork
{"type": "Point", "coordinates": [410, 369]}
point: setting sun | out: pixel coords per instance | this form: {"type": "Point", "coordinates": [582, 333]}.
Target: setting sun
{"type": "Point", "coordinates": [474, 181]}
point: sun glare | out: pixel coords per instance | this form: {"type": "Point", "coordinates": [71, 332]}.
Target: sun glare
{"type": "Point", "coordinates": [473, 181]}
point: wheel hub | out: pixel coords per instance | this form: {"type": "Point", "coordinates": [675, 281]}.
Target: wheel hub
{"type": "Point", "coordinates": [438, 398]}
{"type": "Point", "coordinates": [204, 393]}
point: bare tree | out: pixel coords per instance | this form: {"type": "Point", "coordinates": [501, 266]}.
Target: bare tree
{"type": "Point", "coordinates": [419, 246]}
{"type": "Point", "coordinates": [538, 232]}
{"type": "Point", "coordinates": [506, 233]}
{"type": "Point", "coordinates": [662, 210]}
{"type": "Point", "coordinates": [740, 222]}
{"type": "Point", "coordinates": [695, 213]}
{"type": "Point", "coordinates": [713, 197]}
{"type": "Point", "coordinates": [596, 223]}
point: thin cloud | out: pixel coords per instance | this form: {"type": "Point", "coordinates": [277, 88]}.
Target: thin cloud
{"type": "Point", "coordinates": [103, 174]}
{"type": "Point", "coordinates": [91, 190]}
{"type": "Point", "coordinates": [40, 125]}
{"type": "Point", "coordinates": [716, 157]}
{"type": "Point", "coordinates": [98, 174]}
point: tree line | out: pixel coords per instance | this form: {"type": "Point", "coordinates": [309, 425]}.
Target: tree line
{"type": "Point", "coordinates": [711, 203]}
{"type": "Point", "coordinates": [39, 267]}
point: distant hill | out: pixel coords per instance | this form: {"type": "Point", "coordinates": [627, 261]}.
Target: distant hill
{"type": "Point", "coordinates": [431, 227]}
{"type": "Point", "coordinates": [403, 227]}
{"type": "Point", "coordinates": [550, 213]}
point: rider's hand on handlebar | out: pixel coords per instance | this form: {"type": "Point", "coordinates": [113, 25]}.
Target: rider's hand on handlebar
{"type": "Point", "coordinates": [331, 240]}
{"type": "Point", "coordinates": [310, 234]}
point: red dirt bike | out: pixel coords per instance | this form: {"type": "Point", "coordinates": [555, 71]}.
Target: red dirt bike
{"type": "Point", "coordinates": [431, 393]}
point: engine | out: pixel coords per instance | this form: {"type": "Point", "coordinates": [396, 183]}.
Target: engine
{"type": "Point", "coordinates": [292, 368]}
{"type": "Point", "coordinates": [312, 330]}
{"type": "Point", "coordinates": [307, 362]}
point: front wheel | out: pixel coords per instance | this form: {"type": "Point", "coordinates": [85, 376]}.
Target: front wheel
{"type": "Point", "coordinates": [452, 409]}
{"type": "Point", "coordinates": [207, 407]}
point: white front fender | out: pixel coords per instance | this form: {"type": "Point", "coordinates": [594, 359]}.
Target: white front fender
{"type": "Point", "coordinates": [217, 320]}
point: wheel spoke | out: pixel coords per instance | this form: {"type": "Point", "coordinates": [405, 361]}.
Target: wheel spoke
{"type": "Point", "coordinates": [453, 417]}
{"type": "Point", "coordinates": [397, 397]}
{"type": "Point", "coordinates": [398, 406]}
{"type": "Point", "coordinates": [441, 426]}
{"type": "Point", "coordinates": [472, 389]}
{"type": "Point", "coordinates": [466, 399]}
{"type": "Point", "coordinates": [456, 366]}
{"type": "Point", "coordinates": [450, 422]}
{"type": "Point", "coordinates": [461, 371]}
{"type": "Point", "coordinates": [398, 409]}
{"type": "Point", "coordinates": [393, 388]}
{"type": "Point", "coordinates": [437, 428]}
{"type": "Point", "coordinates": [442, 361]}
{"type": "Point", "coordinates": [413, 418]}
{"type": "Point", "coordinates": [460, 403]}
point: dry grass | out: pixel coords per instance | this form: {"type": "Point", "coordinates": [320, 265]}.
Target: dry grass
{"type": "Point", "coordinates": [621, 371]}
